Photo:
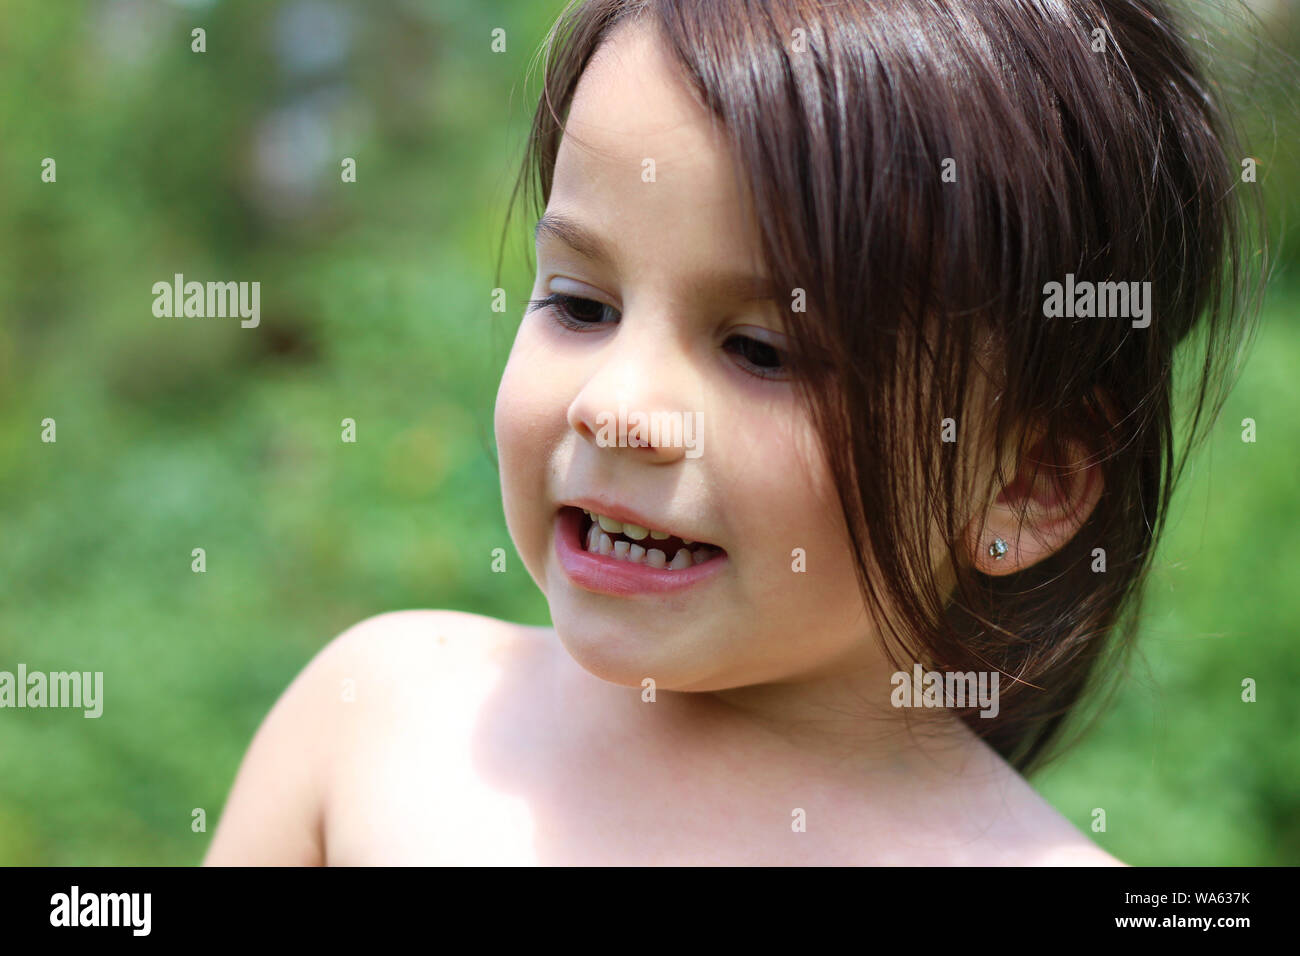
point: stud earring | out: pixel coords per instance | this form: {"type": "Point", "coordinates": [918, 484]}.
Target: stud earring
{"type": "Point", "coordinates": [998, 549]}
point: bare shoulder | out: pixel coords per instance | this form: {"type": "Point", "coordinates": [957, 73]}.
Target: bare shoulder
{"type": "Point", "coordinates": [1082, 853]}
{"type": "Point", "coordinates": [1049, 838]}
{"type": "Point", "coordinates": [1053, 840]}
{"type": "Point", "coordinates": [417, 711]}
{"type": "Point", "coordinates": [369, 690]}
{"type": "Point", "coordinates": [399, 675]}
{"type": "Point", "coordinates": [384, 646]}
{"type": "Point", "coordinates": [1018, 826]}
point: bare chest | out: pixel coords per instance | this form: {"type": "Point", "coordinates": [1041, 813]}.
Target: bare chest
{"type": "Point", "coordinates": [509, 767]}
{"type": "Point", "coordinates": [490, 779]}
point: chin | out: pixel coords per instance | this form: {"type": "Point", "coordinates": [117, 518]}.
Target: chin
{"type": "Point", "coordinates": [610, 653]}
{"type": "Point", "coordinates": [620, 656]}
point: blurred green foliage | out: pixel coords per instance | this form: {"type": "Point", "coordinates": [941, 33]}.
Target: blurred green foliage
{"type": "Point", "coordinates": [376, 306]}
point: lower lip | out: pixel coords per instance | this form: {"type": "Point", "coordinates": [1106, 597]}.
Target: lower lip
{"type": "Point", "coordinates": [609, 575]}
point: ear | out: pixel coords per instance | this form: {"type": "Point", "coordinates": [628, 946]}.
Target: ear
{"type": "Point", "coordinates": [1034, 515]}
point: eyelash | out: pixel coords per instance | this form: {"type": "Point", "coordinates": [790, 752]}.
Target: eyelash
{"type": "Point", "coordinates": [561, 306]}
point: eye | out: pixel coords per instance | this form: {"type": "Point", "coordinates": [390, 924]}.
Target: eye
{"type": "Point", "coordinates": [575, 312]}
{"type": "Point", "coordinates": [757, 357]}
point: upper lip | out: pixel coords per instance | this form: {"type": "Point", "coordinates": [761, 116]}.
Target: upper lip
{"type": "Point", "coordinates": [630, 516]}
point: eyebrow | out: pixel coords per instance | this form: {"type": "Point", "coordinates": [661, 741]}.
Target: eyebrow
{"type": "Point", "coordinates": [580, 239]}
{"type": "Point", "coordinates": [574, 235]}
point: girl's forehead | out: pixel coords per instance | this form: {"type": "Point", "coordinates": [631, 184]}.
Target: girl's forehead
{"type": "Point", "coordinates": [632, 105]}
{"type": "Point", "coordinates": [641, 156]}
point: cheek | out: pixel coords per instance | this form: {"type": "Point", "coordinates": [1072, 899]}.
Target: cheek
{"type": "Point", "coordinates": [807, 581]}
{"type": "Point", "coordinates": [524, 408]}
{"type": "Point", "coordinates": [522, 421]}
{"type": "Point", "coordinates": [790, 508]}
{"type": "Point", "coordinates": [510, 418]}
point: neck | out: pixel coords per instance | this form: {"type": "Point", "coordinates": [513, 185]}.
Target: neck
{"type": "Point", "coordinates": [847, 719]}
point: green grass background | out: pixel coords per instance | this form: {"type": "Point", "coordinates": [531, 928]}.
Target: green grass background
{"type": "Point", "coordinates": [376, 306]}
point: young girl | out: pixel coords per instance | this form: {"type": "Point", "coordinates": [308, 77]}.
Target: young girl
{"type": "Point", "coordinates": [838, 435]}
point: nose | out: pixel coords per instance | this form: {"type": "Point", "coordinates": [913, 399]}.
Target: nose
{"type": "Point", "coordinates": [632, 400]}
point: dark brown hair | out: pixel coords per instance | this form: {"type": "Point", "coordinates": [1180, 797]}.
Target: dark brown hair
{"type": "Point", "coordinates": [1085, 139]}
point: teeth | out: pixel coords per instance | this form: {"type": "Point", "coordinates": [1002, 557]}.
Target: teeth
{"type": "Point", "coordinates": [600, 540]}
{"type": "Point", "coordinates": [600, 543]}
{"type": "Point", "coordinates": [634, 531]}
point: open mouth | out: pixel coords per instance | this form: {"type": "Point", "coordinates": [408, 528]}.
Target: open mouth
{"type": "Point", "coordinates": [652, 547]}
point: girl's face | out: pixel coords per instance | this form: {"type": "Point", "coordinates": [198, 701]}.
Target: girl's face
{"type": "Point", "coordinates": [673, 322]}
